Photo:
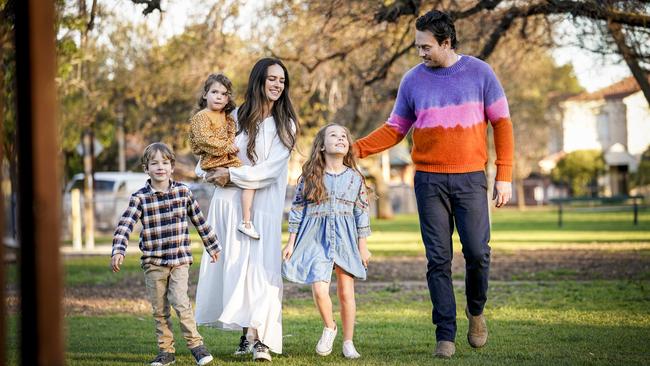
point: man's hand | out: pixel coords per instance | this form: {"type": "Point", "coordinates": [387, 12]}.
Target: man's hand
{"type": "Point", "coordinates": [116, 262]}
{"type": "Point", "coordinates": [214, 257]}
{"type": "Point", "coordinates": [502, 192]}
{"type": "Point", "coordinates": [218, 176]}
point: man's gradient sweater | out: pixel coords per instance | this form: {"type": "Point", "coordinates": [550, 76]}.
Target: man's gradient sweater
{"type": "Point", "coordinates": [448, 109]}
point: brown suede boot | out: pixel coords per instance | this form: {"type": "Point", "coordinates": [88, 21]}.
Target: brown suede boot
{"type": "Point", "coordinates": [478, 333]}
{"type": "Point", "coordinates": [445, 349]}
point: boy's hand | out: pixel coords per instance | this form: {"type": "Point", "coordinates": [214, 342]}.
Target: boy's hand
{"type": "Point", "coordinates": [116, 262]}
{"type": "Point", "coordinates": [365, 253]}
{"type": "Point", "coordinates": [214, 257]}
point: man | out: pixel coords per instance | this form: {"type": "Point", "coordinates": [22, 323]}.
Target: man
{"type": "Point", "coordinates": [447, 100]}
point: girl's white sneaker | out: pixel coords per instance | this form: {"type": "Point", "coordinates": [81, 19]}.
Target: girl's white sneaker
{"type": "Point", "coordinates": [326, 342]}
{"type": "Point", "coordinates": [349, 351]}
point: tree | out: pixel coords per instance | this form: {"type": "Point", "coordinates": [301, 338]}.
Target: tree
{"type": "Point", "coordinates": [608, 27]}
{"type": "Point", "coordinates": [642, 176]}
{"type": "Point", "coordinates": [7, 95]}
{"type": "Point", "coordinates": [351, 73]}
{"type": "Point", "coordinates": [530, 81]}
{"type": "Point", "coordinates": [580, 169]}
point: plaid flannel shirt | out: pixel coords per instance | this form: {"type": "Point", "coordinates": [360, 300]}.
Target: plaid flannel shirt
{"type": "Point", "coordinates": [165, 238]}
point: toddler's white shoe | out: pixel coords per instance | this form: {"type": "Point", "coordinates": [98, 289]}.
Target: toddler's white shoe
{"type": "Point", "coordinates": [247, 228]}
{"type": "Point", "coordinates": [349, 351]}
{"type": "Point", "coordinates": [326, 342]}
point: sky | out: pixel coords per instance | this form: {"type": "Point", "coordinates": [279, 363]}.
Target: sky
{"type": "Point", "coordinates": [592, 72]}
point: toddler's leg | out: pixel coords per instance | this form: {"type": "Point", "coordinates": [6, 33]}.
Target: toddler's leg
{"type": "Point", "coordinates": [247, 196]}
{"type": "Point", "coordinates": [246, 226]}
{"type": "Point", "coordinates": [155, 278]}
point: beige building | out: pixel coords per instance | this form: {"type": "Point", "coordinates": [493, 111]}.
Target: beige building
{"type": "Point", "coordinates": [614, 120]}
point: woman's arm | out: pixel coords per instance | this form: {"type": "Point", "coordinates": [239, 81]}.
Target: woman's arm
{"type": "Point", "coordinates": [264, 173]}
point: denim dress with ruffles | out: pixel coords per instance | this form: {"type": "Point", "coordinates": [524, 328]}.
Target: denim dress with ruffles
{"type": "Point", "coordinates": [327, 231]}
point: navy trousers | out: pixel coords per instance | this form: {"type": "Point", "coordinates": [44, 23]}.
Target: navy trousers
{"type": "Point", "coordinates": [445, 199]}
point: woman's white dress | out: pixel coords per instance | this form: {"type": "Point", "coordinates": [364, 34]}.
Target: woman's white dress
{"type": "Point", "coordinates": [244, 288]}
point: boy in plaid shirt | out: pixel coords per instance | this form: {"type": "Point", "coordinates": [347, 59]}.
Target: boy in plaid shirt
{"type": "Point", "coordinates": [163, 207]}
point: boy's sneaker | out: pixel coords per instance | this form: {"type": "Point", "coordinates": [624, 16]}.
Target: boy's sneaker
{"type": "Point", "coordinates": [201, 355]}
{"type": "Point", "coordinates": [349, 351]}
{"type": "Point", "coordinates": [326, 342]}
{"type": "Point", "coordinates": [244, 347]}
{"type": "Point", "coordinates": [247, 228]}
{"type": "Point", "coordinates": [261, 352]}
{"type": "Point", "coordinates": [163, 359]}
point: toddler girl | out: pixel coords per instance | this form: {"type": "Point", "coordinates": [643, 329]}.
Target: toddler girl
{"type": "Point", "coordinates": [212, 137]}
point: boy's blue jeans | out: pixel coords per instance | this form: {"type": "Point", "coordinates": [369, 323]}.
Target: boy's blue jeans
{"type": "Point", "coordinates": [443, 199]}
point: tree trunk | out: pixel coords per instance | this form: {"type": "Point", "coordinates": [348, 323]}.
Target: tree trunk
{"type": "Point", "coordinates": [616, 30]}
{"type": "Point", "coordinates": [121, 145]}
{"type": "Point", "coordinates": [89, 206]}
{"type": "Point", "coordinates": [521, 197]}
{"type": "Point", "coordinates": [384, 206]}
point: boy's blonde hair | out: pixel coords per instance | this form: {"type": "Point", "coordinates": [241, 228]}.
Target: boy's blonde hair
{"type": "Point", "coordinates": [152, 149]}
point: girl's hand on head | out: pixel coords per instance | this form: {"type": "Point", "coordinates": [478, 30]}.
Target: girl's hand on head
{"type": "Point", "coordinates": [234, 149]}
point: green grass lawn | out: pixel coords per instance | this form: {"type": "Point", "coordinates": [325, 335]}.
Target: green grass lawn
{"type": "Point", "coordinates": [599, 323]}
{"type": "Point", "coordinates": [536, 321]}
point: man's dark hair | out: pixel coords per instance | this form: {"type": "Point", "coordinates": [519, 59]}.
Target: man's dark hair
{"type": "Point", "coordinates": [440, 24]}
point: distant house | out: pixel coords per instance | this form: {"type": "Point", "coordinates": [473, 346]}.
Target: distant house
{"type": "Point", "coordinates": [614, 120]}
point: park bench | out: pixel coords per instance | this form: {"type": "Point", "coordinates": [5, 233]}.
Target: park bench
{"type": "Point", "coordinates": [614, 203]}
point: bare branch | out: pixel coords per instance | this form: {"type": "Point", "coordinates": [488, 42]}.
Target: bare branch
{"type": "Point", "coordinates": [641, 76]}
{"type": "Point", "coordinates": [396, 10]}
{"type": "Point", "coordinates": [479, 7]}
{"type": "Point", "coordinates": [152, 5]}
{"type": "Point", "coordinates": [499, 31]}
{"type": "Point", "coordinates": [383, 70]}
{"type": "Point", "coordinates": [93, 12]}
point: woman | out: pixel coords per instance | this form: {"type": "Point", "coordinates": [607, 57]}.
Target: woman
{"type": "Point", "coordinates": [244, 289]}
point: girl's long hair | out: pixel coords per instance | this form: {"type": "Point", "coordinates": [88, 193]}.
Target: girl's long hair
{"type": "Point", "coordinates": [251, 112]}
{"type": "Point", "coordinates": [222, 79]}
{"type": "Point", "coordinates": [313, 170]}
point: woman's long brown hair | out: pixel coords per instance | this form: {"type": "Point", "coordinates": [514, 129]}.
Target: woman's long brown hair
{"type": "Point", "coordinates": [251, 112]}
{"type": "Point", "coordinates": [313, 170]}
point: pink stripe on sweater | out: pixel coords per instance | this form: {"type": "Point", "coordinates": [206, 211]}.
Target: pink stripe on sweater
{"type": "Point", "coordinates": [466, 115]}
{"type": "Point", "coordinates": [402, 125]}
{"type": "Point", "coordinates": [498, 109]}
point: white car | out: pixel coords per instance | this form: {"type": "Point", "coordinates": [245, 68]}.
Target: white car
{"type": "Point", "coordinates": [111, 196]}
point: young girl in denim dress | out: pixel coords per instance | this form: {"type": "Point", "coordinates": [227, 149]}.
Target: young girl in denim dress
{"type": "Point", "coordinates": [328, 226]}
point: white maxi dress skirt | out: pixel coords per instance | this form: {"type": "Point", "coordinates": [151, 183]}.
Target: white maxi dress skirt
{"type": "Point", "coordinates": [244, 288]}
